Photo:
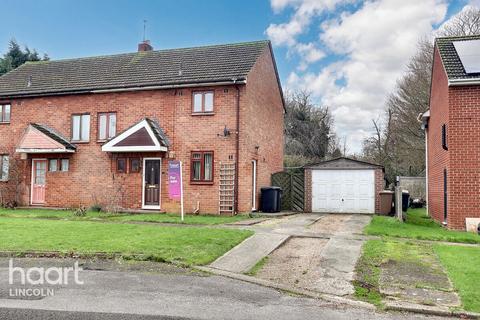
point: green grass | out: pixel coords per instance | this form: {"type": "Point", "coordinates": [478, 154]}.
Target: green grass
{"type": "Point", "coordinates": [417, 226]}
{"type": "Point", "coordinates": [257, 267]}
{"type": "Point", "coordinates": [368, 273]}
{"type": "Point", "coordinates": [463, 268]}
{"type": "Point", "coordinates": [188, 246]}
{"type": "Point", "coordinates": [121, 217]}
{"type": "Point", "coordinates": [375, 253]}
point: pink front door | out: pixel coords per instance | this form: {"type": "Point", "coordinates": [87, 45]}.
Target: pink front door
{"type": "Point", "coordinates": [39, 168]}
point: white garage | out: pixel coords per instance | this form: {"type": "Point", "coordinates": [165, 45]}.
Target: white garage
{"type": "Point", "coordinates": [343, 185]}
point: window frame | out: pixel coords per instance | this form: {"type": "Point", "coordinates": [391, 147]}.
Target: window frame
{"type": "Point", "coordinates": [130, 167]}
{"type": "Point", "coordinates": [60, 165]}
{"type": "Point", "coordinates": [2, 112]}
{"type": "Point", "coordinates": [203, 93]}
{"type": "Point", "coordinates": [126, 165]}
{"type": "Point", "coordinates": [202, 167]}
{"type": "Point", "coordinates": [57, 168]}
{"type": "Point", "coordinates": [80, 127]}
{"type": "Point", "coordinates": [107, 128]}
{"type": "Point", "coordinates": [2, 178]}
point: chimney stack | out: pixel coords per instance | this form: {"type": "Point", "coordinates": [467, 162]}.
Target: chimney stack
{"type": "Point", "coordinates": [145, 46]}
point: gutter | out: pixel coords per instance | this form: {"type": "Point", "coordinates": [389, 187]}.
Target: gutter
{"type": "Point", "coordinates": [463, 82]}
{"type": "Point", "coordinates": [127, 89]}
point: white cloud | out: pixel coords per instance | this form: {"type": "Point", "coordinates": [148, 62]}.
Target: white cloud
{"type": "Point", "coordinates": [374, 43]}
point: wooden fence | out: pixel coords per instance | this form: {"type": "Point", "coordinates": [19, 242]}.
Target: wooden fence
{"type": "Point", "coordinates": [293, 186]}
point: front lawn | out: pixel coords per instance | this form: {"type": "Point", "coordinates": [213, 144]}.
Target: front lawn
{"type": "Point", "coordinates": [121, 217]}
{"type": "Point", "coordinates": [417, 226]}
{"type": "Point", "coordinates": [189, 246]}
{"type": "Point", "coordinates": [462, 266]}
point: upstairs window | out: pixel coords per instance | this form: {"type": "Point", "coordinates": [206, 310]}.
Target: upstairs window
{"type": "Point", "coordinates": [107, 126]}
{"type": "Point", "coordinates": [81, 127]}
{"type": "Point", "coordinates": [5, 113]}
{"type": "Point", "coordinates": [202, 166]}
{"type": "Point", "coordinates": [4, 167]}
{"type": "Point", "coordinates": [444, 137]}
{"type": "Point", "coordinates": [203, 102]}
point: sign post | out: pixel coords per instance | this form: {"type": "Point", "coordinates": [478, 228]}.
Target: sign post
{"type": "Point", "coordinates": [175, 183]}
{"type": "Point", "coordinates": [181, 191]}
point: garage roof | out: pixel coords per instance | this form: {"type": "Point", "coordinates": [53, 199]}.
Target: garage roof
{"type": "Point", "coordinates": [344, 163]}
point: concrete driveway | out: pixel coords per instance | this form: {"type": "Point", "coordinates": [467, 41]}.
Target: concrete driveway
{"type": "Point", "coordinates": [316, 252]}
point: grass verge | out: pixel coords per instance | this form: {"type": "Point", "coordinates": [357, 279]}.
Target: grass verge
{"type": "Point", "coordinates": [417, 226]}
{"type": "Point", "coordinates": [257, 267]}
{"type": "Point", "coordinates": [367, 272]}
{"type": "Point", "coordinates": [462, 266]}
{"type": "Point", "coordinates": [186, 246]}
{"type": "Point", "coordinates": [121, 217]}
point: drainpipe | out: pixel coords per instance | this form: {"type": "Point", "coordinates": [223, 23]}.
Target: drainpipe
{"type": "Point", "coordinates": [426, 169]}
{"type": "Point", "coordinates": [237, 148]}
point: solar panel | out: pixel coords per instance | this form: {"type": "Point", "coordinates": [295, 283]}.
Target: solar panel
{"type": "Point", "coordinates": [469, 54]}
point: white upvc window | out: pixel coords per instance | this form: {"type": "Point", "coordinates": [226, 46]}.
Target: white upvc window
{"type": "Point", "coordinates": [4, 167]}
{"type": "Point", "coordinates": [5, 110]}
{"type": "Point", "coordinates": [203, 102]}
{"type": "Point", "coordinates": [81, 127]}
{"type": "Point", "coordinates": [107, 126]}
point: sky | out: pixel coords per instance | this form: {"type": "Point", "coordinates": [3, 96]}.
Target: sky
{"type": "Point", "coordinates": [347, 53]}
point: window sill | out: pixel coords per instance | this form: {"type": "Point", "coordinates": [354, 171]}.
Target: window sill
{"type": "Point", "coordinates": [79, 142]}
{"type": "Point", "coordinates": [4, 122]}
{"type": "Point", "coordinates": [203, 113]}
{"type": "Point", "coordinates": [202, 182]}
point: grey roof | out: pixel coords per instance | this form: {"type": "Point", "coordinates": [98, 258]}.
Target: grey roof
{"type": "Point", "coordinates": [53, 134]}
{"type": "Point", "coordinates": [344, 163]}
{"type": "Point", "coordinates": [158, 132]}
{"type": "Point", "coordinates": [451, 62]}
{"type": "Point", "coordinates": [152, 68]}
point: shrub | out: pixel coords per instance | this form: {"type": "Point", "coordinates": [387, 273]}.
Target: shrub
{"type": "Point", "coordinates": [80, 212]}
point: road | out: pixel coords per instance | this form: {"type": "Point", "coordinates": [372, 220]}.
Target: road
{"type": "Point", "coordinates": [155, 292]}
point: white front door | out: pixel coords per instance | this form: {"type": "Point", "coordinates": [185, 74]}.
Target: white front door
{"type": "Point", "coordinates": [254, 185]}
{"type": "Point", "coordinates": [350, 191]}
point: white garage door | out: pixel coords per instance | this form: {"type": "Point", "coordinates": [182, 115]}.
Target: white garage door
{"type": "Point", "coordinates": [343, 191]}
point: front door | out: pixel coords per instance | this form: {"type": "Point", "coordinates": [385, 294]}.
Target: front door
{"type": "Point", "coordinates": [151, 183]}
{"type": "Point", "coordinates": [39, 172]}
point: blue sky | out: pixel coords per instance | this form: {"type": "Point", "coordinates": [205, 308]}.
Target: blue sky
{"type": "Point", "coordinates": [320, 45]}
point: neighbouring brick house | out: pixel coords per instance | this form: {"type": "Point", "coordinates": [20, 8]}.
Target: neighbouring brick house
{"type": "Point", "coordinates": [452, 127]}
{"type": "Point", "coordinates": [102, 129]}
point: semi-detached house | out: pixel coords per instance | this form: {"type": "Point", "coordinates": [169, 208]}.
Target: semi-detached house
{"type": "Point", "coordinates": [101, 130]}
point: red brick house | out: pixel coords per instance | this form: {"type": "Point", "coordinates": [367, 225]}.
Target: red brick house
{"type": "Point", "coordinates": [101, 130]}
{"type": "Point", "coordinates": [452, 128]}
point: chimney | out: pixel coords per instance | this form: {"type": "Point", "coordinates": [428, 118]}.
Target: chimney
{"type": "Point", "coordinates": [145, 46]}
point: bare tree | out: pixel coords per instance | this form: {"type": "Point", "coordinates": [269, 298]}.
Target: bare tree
{"type": "Point", "coordinates": [308, 129]}
{"type": "Point", "coordinates": [404, 152]}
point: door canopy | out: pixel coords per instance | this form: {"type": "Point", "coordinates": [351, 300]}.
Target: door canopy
{"type": "Point", "coordinates": [145, 136]}
{"type": "Point", "coordinates": [42, 139]}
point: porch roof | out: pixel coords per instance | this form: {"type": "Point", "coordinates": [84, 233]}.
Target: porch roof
{"type": "Point", "coordinates": [39, 138]}
{"type": "Point", "coordinates": [144, 136]}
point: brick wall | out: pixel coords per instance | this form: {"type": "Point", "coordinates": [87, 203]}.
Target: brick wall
{"type": "Point", "coordinates": [308, 191]}
{"type": "Point", "coordinates": [92, 177]}
{"type": "Point", "coordinates": [438, 158]}
{"type": "Point", "coordinates": [464, 153]}
{"type": "Point", "coordinates": [261, 130]}
{"type": "Point", "coordinates": [379, 186]}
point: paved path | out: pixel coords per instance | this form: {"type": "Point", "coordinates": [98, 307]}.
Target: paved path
{"type": "Point", "coordinates": [327, 267]}
{"type": "Point", "coordinates": [245, 255]}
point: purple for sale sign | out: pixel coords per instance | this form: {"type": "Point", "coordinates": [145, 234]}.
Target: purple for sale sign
{"type": "Point", "coordinates": [174, 180]}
